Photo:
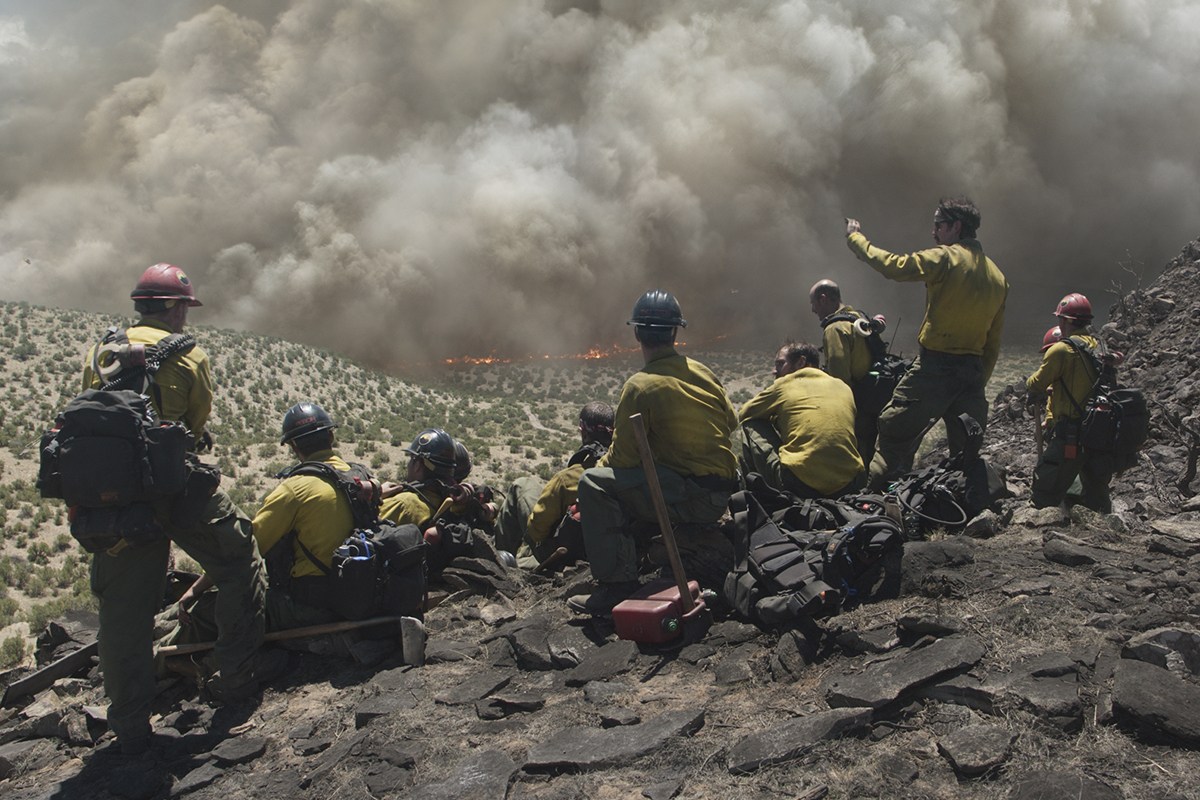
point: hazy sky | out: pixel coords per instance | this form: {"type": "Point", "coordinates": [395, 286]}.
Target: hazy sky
{"type": "Point", "coordinates": [401, 181]}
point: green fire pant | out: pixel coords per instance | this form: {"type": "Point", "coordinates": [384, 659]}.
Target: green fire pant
{"type": "Point", "coordinates": [1055, 472]}
{"type": "Point", "coordinates": [512, 521]}
{"type": "Point", "coordinates": [937, 386]}
{"type": "Point", "coordinates": [130, 585]}
{"type": "Point", "coordinates": [610, 499]}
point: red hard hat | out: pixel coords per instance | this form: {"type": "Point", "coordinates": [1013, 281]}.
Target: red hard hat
{"type": "Point", "coordinates": [165, 282]}
{"type": "Point", "coordinates": [1052, 336]}
{"type": "Point", "coordinates": [1074, 306]}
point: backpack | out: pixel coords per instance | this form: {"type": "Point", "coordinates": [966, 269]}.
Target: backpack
{"type": "Point", "coordinates": [782, 576]}
{"type": "Point", "coordinates": [1115, 419]}
{"type": "Point", "coordinates": [952, 492]}
{"type": "Point", "coordinates": [873, 391]}
{"type": "Point", "coordinates": [378, 569]}
{"type": "Point", "coordinates": [110, 458]}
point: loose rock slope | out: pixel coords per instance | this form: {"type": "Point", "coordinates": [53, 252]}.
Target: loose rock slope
{"type": "Point", "coordinates": [1035, 657]}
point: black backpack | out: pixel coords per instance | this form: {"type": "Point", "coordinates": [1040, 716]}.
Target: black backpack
{"type": "Point", "coordinates": [1115, 419]}
{"type": "Point", "coordinates": [380, 567]}
{"type": "Point", "coordinates": [873, 391]}
{"type": "Point", "coordinates": [782, 576]}
{"type": "Point", "coordinates": [949, 494]}
{"type": "Point", "coordinates": [112, 460]}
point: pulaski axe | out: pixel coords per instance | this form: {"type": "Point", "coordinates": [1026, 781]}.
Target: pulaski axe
{"type": "Point", "coordinates": [661, 612]}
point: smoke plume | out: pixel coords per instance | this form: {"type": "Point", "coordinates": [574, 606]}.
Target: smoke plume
{"type": "Point", "coordinates": [406, 181]}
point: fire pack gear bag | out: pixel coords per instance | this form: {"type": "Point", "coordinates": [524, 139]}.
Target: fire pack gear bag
{"type": "Point", "coordinates": [379, 569]}
{"type": "Point", "coordinates": [111, 460]}
{"type": "Point", "coordinates": [1115, 419]}
{"type": "Point", "coordinates": [874, 390]}
{"type": "Point", "coordinates": [949, 494]}
{"type": "Point", "coordinates": [782, 576]}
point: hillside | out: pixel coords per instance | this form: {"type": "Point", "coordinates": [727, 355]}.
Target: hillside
{"type": "Point", "coordinates": [1036, 656]}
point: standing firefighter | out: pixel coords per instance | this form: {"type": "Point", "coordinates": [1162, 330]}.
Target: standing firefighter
{"type": "Point", "coordinates": [129, 580]}
{"type": "Point", "coordinates": [960, 336]}
{"type": "Point", "coordinates": [689, 421]}
{"type": "Point", "coordinates": [1069, 374]}
{"type": "Point", "coordinates": [847, 355]}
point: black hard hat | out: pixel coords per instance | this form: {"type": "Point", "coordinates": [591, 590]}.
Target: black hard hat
{"type": "Point", "coordinates": [462, 461]}
{"type": "Point", "coordinates": [303, 419]}
{"type": "Point", "coordinates": [657, 309]}
{"type": "Point", "coordinates": [436, 448]}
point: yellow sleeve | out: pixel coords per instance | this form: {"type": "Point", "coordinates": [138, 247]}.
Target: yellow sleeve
{"type": "Point", "coordinates": [623, 453]}
{"type": "Point", "coordinates": [924, 265]}
{"type": "Point", "coordinates": [200, 399]}
{"type": "Point", "coordinates": [837, 342]}
{"type": "Point", "coordinates": [550, 507]}
{"type": "Point", "coordinates": [276, 518]}
{"type": "Point", "coordinates": [405, 508]}
{"type": "Point", "coordinates": [991, 347]}
{"type": "Point", "coordinates": [761, 406]}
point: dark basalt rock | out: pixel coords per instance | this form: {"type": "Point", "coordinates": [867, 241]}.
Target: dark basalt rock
{"type": "Point", "coordinates": [976, 749]}
{"type": "Point", "coordinates": [1157, 706]}
{"type": "Point", "coordinates": [793, 738]}
{"type": "Point", "coordinates": [883, 682]}
{"type": "Point", "coordinates": [595, 748]}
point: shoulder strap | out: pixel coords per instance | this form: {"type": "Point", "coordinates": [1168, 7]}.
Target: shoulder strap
{"type": "Point", "coordinates": [140, 377]}
{"type": "Point", "coordinates": [588, 455]}
{"type": "Point", "coordinates": [1089, 358]}
{"type": "Point", "coordinates": [364, 503]}
{"type": "Point", "coordinates": [844, 316]}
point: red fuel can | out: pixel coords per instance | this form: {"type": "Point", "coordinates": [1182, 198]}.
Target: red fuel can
{"type": "Point", "coordinates": [654, 613]}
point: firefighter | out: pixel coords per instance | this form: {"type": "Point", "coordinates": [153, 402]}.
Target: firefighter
{"type": "Point", "coordinates": [307, 506]}
{"type": "Point", "coordinates": [1069, 376]}
{"type": "Point", "coordinates": [846, 353]}
{"type": "Point", "coordinates": [689, 422]}
{"type": "Point", "coordinates": [129, 582]}
{"type": "Point", "coordinates": [965, 295]}
{"type": "Point", "coordinates": [532, 511]}
{"type": "Point", "coordinates": [798, 433]}
{"type": "Point", "coordinates": [428, 480]}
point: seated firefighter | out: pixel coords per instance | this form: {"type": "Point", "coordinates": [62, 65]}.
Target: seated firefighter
{"type": "Point", "coordinates": [328, 556]}
{"type": "Point", "coordinates": [427, 481]}
{"type": "Point", "coordinates": [689, 421]}
{"type": "Point", "coordinates": [429, 497]}
{"type": "Point", "coordinates": [533, 512]}
{"type": "Point", "coordinates": [297, 528]}
{"type": "Point", "coordinates": [1068, 374]}
{"type": "Point", "coordinates": [798, 433]}
{"type": "Point", "coordinates": [471, 504]}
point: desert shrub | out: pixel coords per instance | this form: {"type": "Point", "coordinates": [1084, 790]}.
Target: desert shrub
{"type": "Point", "coordinates": [38, 553]}
{"type": "Point", "coordinates": [9, 608]}
{"type": "Point", "coordinates": [39, 614]}
{"type": "Point", "coordinates": [12, 652]}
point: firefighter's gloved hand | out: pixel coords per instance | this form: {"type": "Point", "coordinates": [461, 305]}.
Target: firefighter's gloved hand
{"type": "Point", "coordinates": [205, 443]}
{"type": "Point", "coordinates": [852, 226]}
{"type": "Point", "coordinates": [462, 492]}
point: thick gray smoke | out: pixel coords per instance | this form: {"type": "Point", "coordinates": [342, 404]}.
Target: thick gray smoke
{"type": "Point", "coordinates": [404, 181]}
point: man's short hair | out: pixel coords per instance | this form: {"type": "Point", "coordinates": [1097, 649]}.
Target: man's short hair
{"type": "Point", "coordinates": [960, 209]}
{"type": "Point", "coordinates": [794, 351]}
{"type": "Point", "coordinates": [315, 441]}
{"type": "Point", "coordinates": [655, 335]}
{"type": "Point", "coordinates": [828, 289]}
{"type": "Point", "coordinates": [152, 306]}
{"type": "Point", "coordinates": [597, 419]}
